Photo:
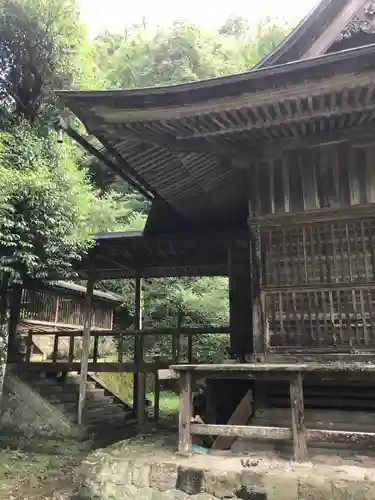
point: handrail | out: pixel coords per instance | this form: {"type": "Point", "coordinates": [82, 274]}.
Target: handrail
{"type": "Point", "coordinates": [175, 333]}
{"type": "Point", "coordinates": [132, 333]}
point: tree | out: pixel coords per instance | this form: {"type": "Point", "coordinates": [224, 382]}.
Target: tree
{"type": "Point", "coordinates": [50, 210]}
{"type": "Point", "coordinates": [43, 46]}
{"type": "Point", "coordinates": [142, 56]}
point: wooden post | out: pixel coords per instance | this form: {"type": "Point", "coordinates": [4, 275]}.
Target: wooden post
{"type": "Point", "coordinates": [298, 424]}
{"type": "Point", "coordinates": [240, 297]}
{"type": "Point", "coordinates": [259, 341]}
{"type": "Point", "coordinates": [156, 393]}
{"type": "Point", "coordinates": [85, 349]}
{"type": "Point", "coordinates": [96, 349]}
{"type": "Point", "coordinates": [120, 348]}
{"type": "Point", "coordinates": [71, 349]}
{"type": "Point", "coordinates": [55, 348]}
{"type": "Point", "coordinates": [178, 337]}
{"type": "Point", "coordinates": [29, 346]}
{"type": "Point", "coordinates": [190, 349]}
{"type": "Point", "coordinates": [137, 327]}
{"type": "Point", "coordinates": [174, 349]}
{"type": "Point", "coordinates": [57, 311]}
{"type": "Point", "coordinates": [139, 377]}
{"type": "Point", "coordinates": [185, 413]}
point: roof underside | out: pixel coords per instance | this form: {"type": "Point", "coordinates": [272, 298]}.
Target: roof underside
{"type": "Point", "coordinates": [191, 145]}
{"type": "Point", "coordinates": [131, 254]}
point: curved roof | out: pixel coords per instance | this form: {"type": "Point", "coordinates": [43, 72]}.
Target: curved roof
{"type": "Point", "coordinates": [190, 145]}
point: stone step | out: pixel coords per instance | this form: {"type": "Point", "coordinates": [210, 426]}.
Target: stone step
{"type": "Point", "coordinates": [109, 423]}
{"type": "Point", "coordinates": [71, 406]}
{"type": "Point", "coordinates": [101, 414]}
{"type": "Point", "coordinates": [75, 384]}
{"type": "Point", "coordinates": [57, 388]}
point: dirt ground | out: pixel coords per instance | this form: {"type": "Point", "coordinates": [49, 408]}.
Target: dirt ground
{"type": "Point", "coordinates": [44, 467]}
{"type": "Point", "coordinates": [40, 468]}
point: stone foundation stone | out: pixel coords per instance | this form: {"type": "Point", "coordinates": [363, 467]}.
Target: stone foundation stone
{"type": "Point", "coordinates": [163, 476]}
{"type": "Point", "coordinates": [106, 477]}
{"type": "Point", "coordinates": [190, 481]}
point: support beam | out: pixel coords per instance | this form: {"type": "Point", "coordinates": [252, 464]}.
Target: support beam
{"type": "Point", "coordinates": [185, 413]}
{"type": "Point", "coordinates": [85, 349]}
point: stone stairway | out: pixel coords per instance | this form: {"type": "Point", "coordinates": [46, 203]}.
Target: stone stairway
{"type": "Point", "coordinates": [105, 416]}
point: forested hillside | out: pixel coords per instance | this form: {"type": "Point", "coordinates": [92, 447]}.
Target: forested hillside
{"type": "Point", "coordinates": [53, 197]}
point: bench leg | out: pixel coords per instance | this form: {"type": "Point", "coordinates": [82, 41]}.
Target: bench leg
{"type": "Point", "coordinates": [298, 418]}
{"type": "Point", "coordinates": [185, 413]}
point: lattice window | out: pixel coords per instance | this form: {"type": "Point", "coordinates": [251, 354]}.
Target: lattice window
{"type": "Point", "coordinates": [334, 252]}
{"type": "Point", "coordinates": [341, 318]}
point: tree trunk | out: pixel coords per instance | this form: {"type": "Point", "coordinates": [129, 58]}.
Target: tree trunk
{"type": "Point", "coordinates": [4, 323]}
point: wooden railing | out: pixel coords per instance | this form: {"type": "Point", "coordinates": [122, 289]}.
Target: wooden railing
{"type": "Point", "coordinates": [140, 365]}
{"type": "Point", "coordinates": [71, 361]}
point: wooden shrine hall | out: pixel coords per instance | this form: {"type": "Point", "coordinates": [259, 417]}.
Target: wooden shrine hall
{"type": "Point", "coordinates": [267, 177]}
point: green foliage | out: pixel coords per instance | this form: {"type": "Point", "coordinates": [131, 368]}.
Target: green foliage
{"type": "Point", "coordinates": [143, 57]}
{"type": "Point", "coordinates": [43, 46]}
{"type": "Point", "coordinates": [49, 211]}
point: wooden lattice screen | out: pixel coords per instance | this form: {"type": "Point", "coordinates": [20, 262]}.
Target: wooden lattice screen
{"type": "Point", "coordinates": [319, 284]}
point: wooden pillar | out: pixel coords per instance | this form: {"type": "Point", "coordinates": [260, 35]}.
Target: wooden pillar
{"type": "Point", "coordinates": [156, 392]}
{"type": "Point", "coordinates": [178, 336]}
{"type": "Point", "coordinates": [139, 394]}
{"type": "Point", "coordinates": [240, 296]}
{"type": "Point", "coordinates": [185, 413]}
{"type": "Point", "coordinates": [29, 346]}
{"type": "Point", "coordinates": [259, 333]}
{"type": "Point", "coordinates": [85, 349]}
{"type": "Point", "coordinates": [176, 340]}
{"type": "Point", "coordinates": [190, 349]}
{"type": "Point", "coordinates": [298, 418]}
{"type": "Point", "coordinates": [57, 310]}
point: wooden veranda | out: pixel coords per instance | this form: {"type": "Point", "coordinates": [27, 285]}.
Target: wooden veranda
{"type": "Point", "coordinates": [136, 256]}
{"type": "Point", "coordinates": [286, 154]}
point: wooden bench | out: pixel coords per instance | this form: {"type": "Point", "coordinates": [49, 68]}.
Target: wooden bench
{"type": "Point", "coordinates": [294, 373]}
